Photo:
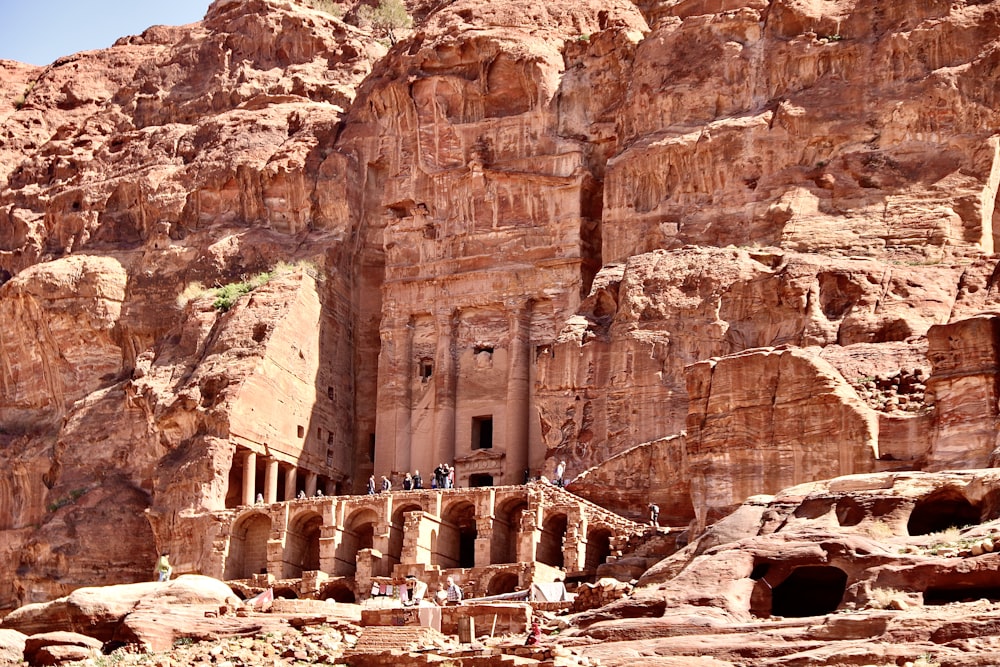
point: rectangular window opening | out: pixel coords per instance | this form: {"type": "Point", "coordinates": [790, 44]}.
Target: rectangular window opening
{"type": "Point", "coordinates": [482, 432]}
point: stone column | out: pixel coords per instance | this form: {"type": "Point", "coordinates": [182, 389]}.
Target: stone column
{"type": "Point", "coordinates": [291, 477]}
{"type": "Point", "coordinates": [484, 541]}
{"type": "Point", "coordinates": [528, 536]}
{"type": "Point", "coordinates": [249, 478]}
{"type": "Point", "coordinates": [329, 540]}
{"type": "Point", "coordinates": [518, 394]}
{"type": "Point", "coordinates": [311, 478]}
{"type": "Point", "coordinates": [445, 379]}
{"type": "Point", "coordinates": [271, 480]}
{"type": "Point", "coordinates": [408, 370]}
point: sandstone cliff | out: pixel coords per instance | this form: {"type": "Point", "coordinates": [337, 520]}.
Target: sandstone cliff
{"type": "Point", "coordinates": [523, 233]}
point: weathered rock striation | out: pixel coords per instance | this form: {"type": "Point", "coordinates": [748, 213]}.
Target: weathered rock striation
{"type": "Point", "coordinates": [700, 250]}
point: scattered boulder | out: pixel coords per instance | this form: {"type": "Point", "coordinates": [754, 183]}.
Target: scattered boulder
{"type": "Point", "coordinates": [11, 646]}
{"type": "Point", "coordinates": [99, 612]}
{"type": "Point", "coordinates": [58, 648]}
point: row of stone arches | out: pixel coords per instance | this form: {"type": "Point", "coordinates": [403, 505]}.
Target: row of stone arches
{"type": "Point", "coordinates": [448, 542]}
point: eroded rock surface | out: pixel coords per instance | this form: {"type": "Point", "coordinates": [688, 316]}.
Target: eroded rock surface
{"type": "Point", "coordinates": [702, 250]}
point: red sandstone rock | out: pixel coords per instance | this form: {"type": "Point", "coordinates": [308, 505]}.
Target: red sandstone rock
{"type": "Point", "coordinates": [519, 221]}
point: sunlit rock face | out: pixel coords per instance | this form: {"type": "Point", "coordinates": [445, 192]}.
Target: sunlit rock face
{"type": "Point", "coordinates": [700, 250]}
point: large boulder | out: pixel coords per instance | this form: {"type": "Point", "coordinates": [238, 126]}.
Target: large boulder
{"type": "Point", "coordinates": [99, 612]}
{"type": "Point", "coordinates": [58, 648]}
{"type": "Point", "coordinates": [11, 646]}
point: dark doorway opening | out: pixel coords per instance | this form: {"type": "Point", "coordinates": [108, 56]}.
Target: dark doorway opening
{"type": "Point", "coordinates": [811, 590]}
{"type": "Point", "coordinates": [482, 432]}
{"type": "Point", "coordinates": [504, 582]}
{"type": "Point", "coordinates": [480, 479]}
{"type": "Point", "coordinates": [942, 510]}
{"type": "Point", "coordinates": [971, 593]}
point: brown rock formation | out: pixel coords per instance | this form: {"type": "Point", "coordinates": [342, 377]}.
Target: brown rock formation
{"type": "Point", "coordinates": [537, 232]}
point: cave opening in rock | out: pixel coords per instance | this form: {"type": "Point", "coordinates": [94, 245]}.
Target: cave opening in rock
{"type": "Point", "coordinates": [941, 510]}
{"type": "Point", "coordinates": [849, 512]}
{"type": "Point", "coordinates": [938, 595]}
{"type": "Point", "coordinates": [810, 590]}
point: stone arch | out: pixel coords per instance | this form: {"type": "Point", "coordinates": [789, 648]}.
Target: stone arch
{"type": "Point", "coordinates": [248, 546]}
{"type": "Point", "coordinates": [301, 552]}
{"type": "Point", "coordinates": [286, 592]}
{"type": "Point", "coordinates": [456, 542]}
{"type": "Point", "coordinates": [940, 510]}
{"type": "Point", "coordinates": [506, 525]}
{"type": "Point", "coordinates": [396, 528]}
{"type": "Point", "coordinates": [598, 546]}
{"type": "Point", "coordinates": [358, 533]}
{"type": "Point", "coordinates": [550, 546]}
{"type": "Point", "coordinates": [810, 590]}
{"type": "Point", "coordinates": [503, 582]}
{"type": "Point", "coordinates": [338, 591]}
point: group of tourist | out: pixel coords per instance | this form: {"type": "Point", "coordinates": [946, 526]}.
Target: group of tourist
{"type": "Point", "coordinates": [444, 478]}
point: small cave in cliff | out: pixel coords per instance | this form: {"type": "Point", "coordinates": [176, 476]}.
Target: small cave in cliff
{"type": "Point", "coordinates": [941, 510]}
{"type": "Point", "coordinates": [810, 590]}
{"type": "Point", "coordinates": [938, 595]}
{"type": "Point", "coordinates": [849, 512]}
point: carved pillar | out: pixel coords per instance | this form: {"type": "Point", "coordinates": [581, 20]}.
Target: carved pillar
{"type": "Point", "coordinates": [271, 480]}
{"type": "Point", "coordinates": [408, 371]}
{"type": "Point", "coordinates": [573, 549]}
{"type": "Point", "coordinates": [518, 394]}
{"type": "Point", "coordinates": [249, 478]}
{"type": "Point", "coordinates": [329, 540]}
{"type": "Point", "coordinates": [291, 478]}
{"type": "Point", "coordinates": [381, 532]}
{"type": "Point", "coordinates": [528, 536]}
{"type": "Point", "coordinates": [484, 540]}
{"type": "Point", "coordinates": [445, 380]}
{"type": "Point", "coordinates": [414, 552]}
{"type": "Point", "coordinates": [311, 478]}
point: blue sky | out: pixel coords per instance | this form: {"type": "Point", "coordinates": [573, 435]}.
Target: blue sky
{"type": "Point", "coordinates": [39, 31]}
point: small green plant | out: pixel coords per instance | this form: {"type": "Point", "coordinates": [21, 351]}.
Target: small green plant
{"type": "Point", "coordinates": [227, 295]}
{"type": "Point", "coordinates": [585, 37]}
{"type": "Point", "coordinates": [926, 660]}
{"type": "Point", "coordinates": [183, 641]}
{"type": "Point", "coordinates": [332, 8]}
{"type": "Point", "coordinates": [879, 530]}
{"type": "Point", "coordinates": [387, 18]}
{"type": "Point", "coordinates": [73, 496]}
{"type": "Point", "coordinates": [22, 99]}
{"type": "Point", "coordinates": [946, 536]}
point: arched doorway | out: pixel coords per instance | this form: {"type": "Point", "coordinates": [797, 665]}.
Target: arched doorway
{"type": "Point", "coordinates": [456, 544]}
{"type": "Point", "coordinates": [302, 544]}
{"type": "Point", "coordinates": [811, 590]}
{"type": "Point", "coordinates": [358, 534]}
{"type": "Point", "coordinates": [338, 591]}
{"type": "Point", "coordinates": [550, 546]}
{"type": "Point", "coordinates": [506, 525]}
{"type": "Point", "coordinates": [598, 547]}
{"type": "Point", "coordinates": [248, 546]}
{"type": "Point", "coordinates": [502, 582]}
{"type": "Point", "coordinates": [943, 509]}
